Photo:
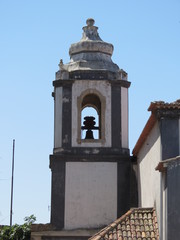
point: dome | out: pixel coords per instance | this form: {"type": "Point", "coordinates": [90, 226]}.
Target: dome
{"type": "Point", "coordinates": [91, 53]}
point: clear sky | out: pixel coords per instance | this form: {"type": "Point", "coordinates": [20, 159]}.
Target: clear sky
{"type": "Point", "coordinates": [34, 36]}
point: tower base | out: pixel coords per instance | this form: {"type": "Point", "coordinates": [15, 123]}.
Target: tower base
{"type": "Point", "coordinates": [64, 235]}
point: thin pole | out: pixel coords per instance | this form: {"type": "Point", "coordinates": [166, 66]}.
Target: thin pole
{"type": "Point", "coordinates": [12, 181]}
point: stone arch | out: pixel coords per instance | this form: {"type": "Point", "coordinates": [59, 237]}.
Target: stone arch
{"type": "Point", "coordinates": [92, 98]}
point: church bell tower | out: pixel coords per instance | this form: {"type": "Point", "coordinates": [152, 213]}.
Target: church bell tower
{"type": "Point", "coordinates": [90, 163]}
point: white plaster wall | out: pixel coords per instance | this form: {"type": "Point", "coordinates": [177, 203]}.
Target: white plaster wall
{"type": "Point", "coordinates": [124, 117]}
{"type": "Point", "coordinates": [90, 194]}
{"type": "Point", "coordinates": [105, 89]}
{"type": "Point", "coordinates": [149, 179]}
{"type": "Point", "coordinates": [58, 118]}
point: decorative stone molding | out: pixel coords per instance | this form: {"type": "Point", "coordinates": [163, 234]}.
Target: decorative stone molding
{"type": "Point", "coordinates": [101, 116]}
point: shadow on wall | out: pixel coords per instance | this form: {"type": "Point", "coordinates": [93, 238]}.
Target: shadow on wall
{"type": "Point", "coordinates": [134, 185]}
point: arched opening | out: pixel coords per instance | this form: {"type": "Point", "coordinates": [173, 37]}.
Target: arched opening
{"type": "Point", "coordinates": [89, 112]}
{"type": "Point", "coordinates": [91, 117]}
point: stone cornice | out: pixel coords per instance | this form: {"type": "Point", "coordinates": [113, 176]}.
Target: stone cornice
{"type": "Point", "coordinates": [167, 113]}
{"type": "Point", "coordinates": [122, 83]}
{"type": "Point", "coordinates": [119, 152]}
{"type": "Point", "coordinates": [57, 158]}
{"type": "Point", "coordinates": [60, 83]}
{"type": "Point", "coordinates": [163, 165]}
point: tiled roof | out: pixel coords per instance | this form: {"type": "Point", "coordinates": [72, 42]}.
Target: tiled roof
{"type": "Point", "coordinates": [155, 107]}
{"type": "Point", "coordinates": [136, 224]}
{"type": "Point", "coordinates": [163, 105]}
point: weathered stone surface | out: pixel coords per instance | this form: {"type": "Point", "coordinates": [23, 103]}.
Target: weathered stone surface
{"type": "Point", "coordinates": [90, 53]}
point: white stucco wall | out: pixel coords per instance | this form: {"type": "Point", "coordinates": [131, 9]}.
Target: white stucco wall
{"type": "Point", "coordinates": [105, 89]}
{"type": "Point", "coordinates": [124, 117]}
{"type": "Point", "coordinates": [149, 179]}
{"type": "Point", "coordinates": [58, 118]}
{"type": "Point", "coordinates": [90, 194]}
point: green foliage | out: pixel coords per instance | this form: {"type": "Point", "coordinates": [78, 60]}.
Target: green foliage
{"type": "Point", "coordinates": [18, 232]}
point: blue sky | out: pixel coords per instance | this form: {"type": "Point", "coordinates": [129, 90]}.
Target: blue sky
{"type": "Point", "coordinates": [34, 36]}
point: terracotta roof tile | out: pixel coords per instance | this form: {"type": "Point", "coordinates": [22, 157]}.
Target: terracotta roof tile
{"type": "Point", "coordinates": [155, 107]}
{"type": "Point", "coordinates": [136, 224]}
{"type": "Point", "coordinates": [163, 105]}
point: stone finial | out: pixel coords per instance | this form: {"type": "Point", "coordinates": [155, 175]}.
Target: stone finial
{"type": "Point", "coordinates": [90, 31]}
{"type": "Point", "coordinates": [90, 22]}
{"type": "Point", "coordinates": [91, 52]}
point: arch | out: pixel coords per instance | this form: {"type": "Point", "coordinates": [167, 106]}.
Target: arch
{"type": "Point", "coordinates": [92, 98]}
{"type": "Point", "coordinates": [88, 111]}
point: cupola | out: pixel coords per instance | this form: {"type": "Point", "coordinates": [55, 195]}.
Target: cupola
{"type": "Point", "coordinates": [91, 53]}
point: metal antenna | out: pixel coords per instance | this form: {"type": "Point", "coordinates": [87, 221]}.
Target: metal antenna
{"type": "Point", "coordinates": [12, 181]}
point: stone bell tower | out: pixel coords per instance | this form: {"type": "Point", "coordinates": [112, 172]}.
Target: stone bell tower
{"type": "Point", "coordinates": [90, 163]}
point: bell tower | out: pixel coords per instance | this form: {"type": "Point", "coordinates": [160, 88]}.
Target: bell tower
{"type": "Point", "coordinates": [90, 163]}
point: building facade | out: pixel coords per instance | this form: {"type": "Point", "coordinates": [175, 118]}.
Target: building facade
{"type": "Point", "coordinates": [157, 151]}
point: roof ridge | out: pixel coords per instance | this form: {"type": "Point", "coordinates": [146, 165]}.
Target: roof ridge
{"type": "Point", "coordinates": [163, 105]}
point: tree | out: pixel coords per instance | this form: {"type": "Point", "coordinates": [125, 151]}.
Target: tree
{"type": "Point", "coordinates": [18, 232]}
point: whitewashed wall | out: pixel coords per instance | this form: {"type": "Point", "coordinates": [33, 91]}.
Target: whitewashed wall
{"type": "Point", "coordinates": [124, 117]}
{"type": "Point", "coordinates": [105, 89]}
{"type": "Point", "coordinates": [90, 194]}
{"type": "Point", "coordinates": [149, 179]}
{"type": "Point", "coordinates": [58, 118]}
